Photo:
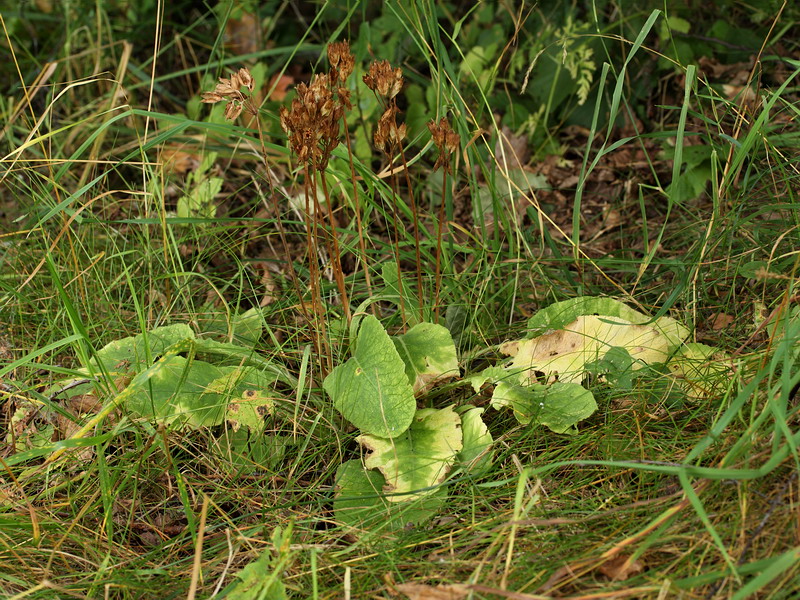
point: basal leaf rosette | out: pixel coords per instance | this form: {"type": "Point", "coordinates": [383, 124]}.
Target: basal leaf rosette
{"type": "Point", "coordinates": [371, 389]}
{"type": "Point", "coordinates": [429, 355]}
{"type": "Point", "coordinates": [419, 459]}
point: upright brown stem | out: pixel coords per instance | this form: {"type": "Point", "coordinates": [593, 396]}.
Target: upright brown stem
{"type": "Point", "coordinates": [395, 219]}
{"type": "Point", "coordinates": [335, 257]}
{"type": "Point", "coordinates": [319, 337]}
{"type": "Point", "coordinates": [416, 229]}
{"type": "Point", "coordinates": [440, 227]}
{"type": "Point", "coordinates": [281, 232]}
{"type": "Point", "coordinates": [362, 246]}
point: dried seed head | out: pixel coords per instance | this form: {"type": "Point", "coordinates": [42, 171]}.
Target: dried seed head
{"type": "Point", "coordinates": [212, 97]}
{"type": "Point", "coordinates": [344, 99]}
{"type": "Point", "coordinates": [230, 90]}
{"type": "Point", "coordinates": [388, 133]}
{"type": "Point", "coordinates": [233, 109]}
{"type": "Point", "coordinates": [445, 139]}
{"type": "Point", "coordinates": [341, 59]}
{"type": "Point", "coordinates": [383, 79]}
{"type": "Point", "coordinates": [246, 79]}
{"type": "Point", "coordinates": [312, 123]}
{"type": "Point", "coordinates": [226, 87]}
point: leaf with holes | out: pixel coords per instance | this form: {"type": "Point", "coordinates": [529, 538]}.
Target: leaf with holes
{"type": "Point", "coordinates": [563, 354]}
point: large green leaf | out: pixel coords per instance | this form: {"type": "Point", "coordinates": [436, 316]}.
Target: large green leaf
{"type": "Point", "coordinates": [371, 389]}
{"type": "Point", "coordinates": [179, 392]}
{"type": "Point", "coordinates": [429, 354]}
{"type": "Point", "coordinates": [224, 353]}
{"type": "Point", "coordinates": [129, 355]}
{"type": "Point", "coordinates": [558, 406]}
{"type": "Point", "coordinates": [360, 501]}
{"type": "Point", "coordinates": [420, 458]}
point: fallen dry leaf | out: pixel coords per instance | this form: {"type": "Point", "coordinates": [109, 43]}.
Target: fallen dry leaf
{"type": "Point", "coordinates": [82, 404]}
{"type": "Point", "coordinates": [67, 428]}
{"type": "Point", "coordinates": [270, 287]}
{"type": "Point", "coordinates": [511, 151]}
{"type": "Point", "coordinates": [178, 162]}
{"type": "Point", "coordinates": [421, 591]}
{"type": "Point", "coordinates": [621, 568]}
{"type": "Point", "coordinates": [279, 87]}
{"type": "Point", "coordinates": [242, 34]}
{"type": "Point", "coordinates": [720, 321]}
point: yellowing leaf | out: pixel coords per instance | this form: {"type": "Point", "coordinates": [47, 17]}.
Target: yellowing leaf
{"type": "Point", "coordinates": [419, 458]}
{"type": "Point", "coordinates": [703, 371]}
{"type": "Point", "coordinates": [563, 354]}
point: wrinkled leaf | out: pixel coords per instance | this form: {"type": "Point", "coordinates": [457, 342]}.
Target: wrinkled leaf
{"type": "Point", "coordinates": [559, 406]}
{"type": "Point", "coordinates": [371, 389]}
{"type": "Point", "coordinates": [418, 459]}
{"type": "Point", "coordinates": [429, 355]}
